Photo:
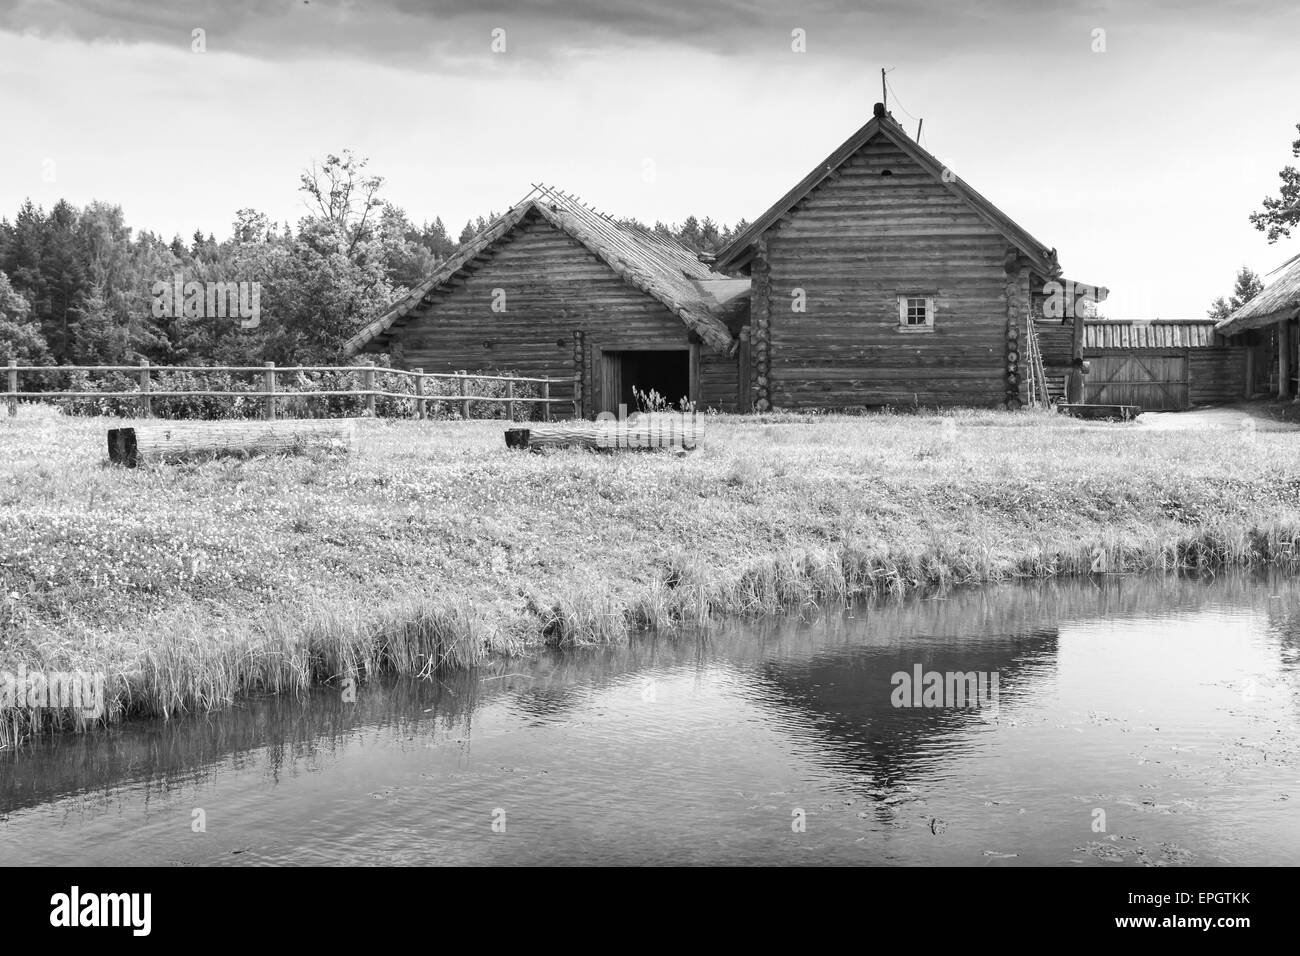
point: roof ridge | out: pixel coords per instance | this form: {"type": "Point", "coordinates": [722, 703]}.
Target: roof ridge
{"type": "Point", "coordinates": [1045, 257]}
{"type": "Point", "coordinates": [657, 267]}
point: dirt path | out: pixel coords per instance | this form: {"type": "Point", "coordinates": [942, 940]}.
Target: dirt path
{"type": "Point", "coordinates": [1224, 416]}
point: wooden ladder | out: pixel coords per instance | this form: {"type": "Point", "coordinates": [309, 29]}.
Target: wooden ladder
{"type": "Point", "coordinates": [1037, 376]}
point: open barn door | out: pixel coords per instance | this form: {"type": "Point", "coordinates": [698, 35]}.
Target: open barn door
{"type": "Point", "coordinates": [623, 373]}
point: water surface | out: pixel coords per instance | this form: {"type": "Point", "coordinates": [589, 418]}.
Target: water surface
{"type": "Point", "coordinates": [1140, 721]}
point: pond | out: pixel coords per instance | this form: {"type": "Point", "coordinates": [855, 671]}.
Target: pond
{"type": "Point", "coordinates": [1121, 721]}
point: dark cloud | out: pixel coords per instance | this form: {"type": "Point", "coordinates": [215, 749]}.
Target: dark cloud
{"type": "Point", "coordinates": [437, 34]}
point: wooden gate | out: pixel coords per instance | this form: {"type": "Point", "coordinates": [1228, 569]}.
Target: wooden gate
{"type": "Point", "coordinates": [1155, 381]}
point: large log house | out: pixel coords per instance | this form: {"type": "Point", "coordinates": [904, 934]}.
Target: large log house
{"type": "Point", "coordinates": [881, 278]}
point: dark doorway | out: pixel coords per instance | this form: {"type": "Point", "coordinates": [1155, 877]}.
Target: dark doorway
{"type": "Point", "coordinates": [667, 372]}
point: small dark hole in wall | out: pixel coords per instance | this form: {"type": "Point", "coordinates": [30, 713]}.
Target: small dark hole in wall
{"type": "Point", "coordinates": [886, 172]}
{"type": "Point", "coordinates": [560, 343]}
{"type": "Point", "coordinates": [487, 343]}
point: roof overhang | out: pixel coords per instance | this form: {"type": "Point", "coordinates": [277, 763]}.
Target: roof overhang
{"type": "Point", "coordinates": [1234, 325]}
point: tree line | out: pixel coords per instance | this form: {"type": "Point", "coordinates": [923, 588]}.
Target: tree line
{"type": "Point", "coordinates": [79, 286]}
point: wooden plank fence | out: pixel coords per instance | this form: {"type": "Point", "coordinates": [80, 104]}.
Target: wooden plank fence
{"type": "Point", "coordinates": [269, 372]}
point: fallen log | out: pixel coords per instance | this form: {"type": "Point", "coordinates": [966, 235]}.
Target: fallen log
{"type": "Point", "coordinates": [646, 432]}
{"type": "Point", "coordinates": [177, 441]}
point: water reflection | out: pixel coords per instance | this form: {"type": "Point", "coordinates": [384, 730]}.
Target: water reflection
{"type": "Point", "coordinates": [1166, 708]}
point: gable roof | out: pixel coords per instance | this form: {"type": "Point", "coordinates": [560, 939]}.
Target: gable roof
{"type": "Point", "coordinates": [741, 249]}
{"type": "Point", "coordinates": [1279, 300]}
{"type": "Point", "coordinates": [656, 264]}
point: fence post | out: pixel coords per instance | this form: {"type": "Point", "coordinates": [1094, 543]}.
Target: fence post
{"type": "Point", "coordinates": [146, 404]}
{"type": "Point", "coordinates": [464, 392]}
{"type": "Point", "coordinates": [268, 385]}
{"type": "Point", "coordinates": [510, 400]}
{"type": "Point", "coordinates": [546, 400]}
{"type": "Point", "coordinates": [368, 381]}
{"type": "Point", "coordinates": [419, 393]}
{"type": "Point", "coordinates": [13, 387]}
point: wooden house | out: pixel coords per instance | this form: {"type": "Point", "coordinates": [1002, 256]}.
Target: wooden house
{"type": "Point", "coordinates": [1266, 328]}
{"type": "Point", "coordinates": [882, 278]}
{"type": "Point", "coordinates": [554, 288]}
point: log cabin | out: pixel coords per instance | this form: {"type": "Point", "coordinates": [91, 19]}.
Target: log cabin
{"type": "Point", "coordinates": [881, 278]}
{"type": "Point", "coordinates": [1268, 328]}
{"type": "Point", "coordinates": [553, 288]}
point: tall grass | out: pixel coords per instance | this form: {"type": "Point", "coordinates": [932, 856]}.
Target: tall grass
{"type": "Point", "coordinates": [434, 548]}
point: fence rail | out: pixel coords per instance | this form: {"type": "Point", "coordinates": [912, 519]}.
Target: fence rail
{"type": "Point", "coordinates": [269, 393]}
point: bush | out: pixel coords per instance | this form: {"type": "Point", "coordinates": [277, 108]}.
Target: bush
{"type": "Point", "coordinates": [197, 406]}
{"type": "Point", "coordinates": [453, 406]}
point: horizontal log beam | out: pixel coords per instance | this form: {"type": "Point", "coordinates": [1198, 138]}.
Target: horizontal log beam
{"type": "Point", "coordinates": [647, 432]}
{"type": "Point", "coordinates": [178, 441]}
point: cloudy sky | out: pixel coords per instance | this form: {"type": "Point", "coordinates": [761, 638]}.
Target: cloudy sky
{"type": "Point", "coordinates": [1139, 162]}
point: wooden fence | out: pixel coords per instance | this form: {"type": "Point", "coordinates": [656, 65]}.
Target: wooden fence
{"type": "Point", "coordinates": [268, 393]}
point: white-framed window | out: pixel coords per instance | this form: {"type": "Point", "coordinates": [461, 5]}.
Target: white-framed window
{"type": "Point", "coordinates": [915, 312]}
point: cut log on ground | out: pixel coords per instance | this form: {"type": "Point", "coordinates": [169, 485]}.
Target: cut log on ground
{"type": "Point", "coordinates": [177, 441]}
{"type": "Point", "coordinates": [1123, 413]}
{"type": "Point", "coordinates": [646, 432]}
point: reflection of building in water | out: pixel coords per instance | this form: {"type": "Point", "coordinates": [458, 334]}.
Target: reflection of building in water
{"type": "Point", "coordinates": [836, 697]}
{"type": "Point", "coordinates": [842, 701]}
{"type": "Point", "coordinates": [826, 684]}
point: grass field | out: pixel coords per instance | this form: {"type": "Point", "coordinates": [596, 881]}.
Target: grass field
{"type": "Point", "coordinates": [434, 546]}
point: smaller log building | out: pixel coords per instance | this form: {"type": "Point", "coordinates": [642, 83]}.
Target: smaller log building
{"type": "Point", "coordinates": [554, 288]}
{"type": "Point", "coordinates": [1268, 329]}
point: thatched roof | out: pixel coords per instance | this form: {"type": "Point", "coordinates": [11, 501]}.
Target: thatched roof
{"type": "Point", "coordinates": [656, 264]}
{"type": "Point", "coordinates": [741, 250]}
{"type": "Point", "coordinates": [1279, 300]}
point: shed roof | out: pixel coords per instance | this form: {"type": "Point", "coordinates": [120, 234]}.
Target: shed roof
{"type": "Point", "coordinates": [1279, 300]}
{"type": "Point", "coordinates": [656, 264]}
{"type": "Point", "coordinates": [738, 253]}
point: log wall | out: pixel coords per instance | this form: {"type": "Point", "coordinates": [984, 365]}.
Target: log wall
{"type": "Point", "coordinates": [562, 305]}
{"type": "Point", "coordinates": [854, 245]}
{"type": "Point", "coordinates": [1216, 375]}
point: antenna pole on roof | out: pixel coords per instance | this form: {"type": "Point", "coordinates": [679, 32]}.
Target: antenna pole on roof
{"type": "Point", "coordinates": [919, 124]}
{"type": "Point", "coordinates": [884, 89]}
